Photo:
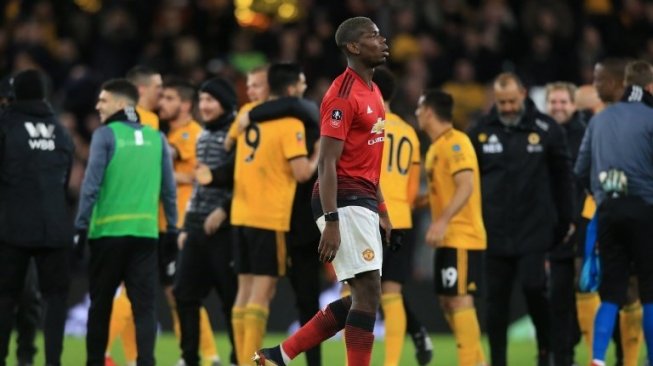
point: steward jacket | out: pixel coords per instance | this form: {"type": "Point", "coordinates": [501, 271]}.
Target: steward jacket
{"type": "Point", "coordinates": [526, 181]}
{"type": "Point", "coordinates": [129, 171]}
{"type": "Point", "coordinates": [620, 137]}
{"type": "Point", "coordinates": [36, 154]}
{"type": "Point", "coordinates": [575, 130]}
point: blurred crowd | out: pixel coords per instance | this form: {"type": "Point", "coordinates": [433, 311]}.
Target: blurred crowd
{"type": "Point", "coordinates": [458, 45]}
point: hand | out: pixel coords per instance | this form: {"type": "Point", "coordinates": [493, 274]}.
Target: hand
{"type": "Point", "coordinates": [435, 234]}
{"type": "Point", "coordinates": [570, 233]}
{"type": "Point", "coordinates": [203, 174]}
{"type": "Point", "coordinates": [243, 122]}
{"type": "Point", "coordinates": [80, 240]}
{"type": "Point", "coordinates": [384, 221]}
{"type": "Point", "coordinates": [563, 233]}
{"type": "Point", "coordinates": [396, 240]}
{"type": "Point", "coordinates": [213, 222]}
{"type": "Point", "coordinates": [181, 240]}
{"type": "Point", "coordinates": [329, 242]}
{"type": "Point", "coordinates": [229, 143]}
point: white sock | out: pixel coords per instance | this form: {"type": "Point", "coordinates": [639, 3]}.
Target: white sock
{"type": "Point", "coordinates": [286, 358]}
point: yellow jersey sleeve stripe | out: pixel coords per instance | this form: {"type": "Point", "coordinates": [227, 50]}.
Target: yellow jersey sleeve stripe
{"type": "Point", "coordinates": [297, 157]}
{"type": "Point", "coordinates": [281, 252]}
{"type": "Point", "coordinates": [461, 259]}
{"type": "Point", "coordinates": [461, 170]}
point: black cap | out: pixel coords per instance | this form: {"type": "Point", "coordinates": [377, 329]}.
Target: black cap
{"type": "Point", "coordinates": [222, 91]}
{"type": "Point", "coordinates": [30, 85]}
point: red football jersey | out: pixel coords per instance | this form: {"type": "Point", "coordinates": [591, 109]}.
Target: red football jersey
{"type": "Point", "coordinates": [354, 112]}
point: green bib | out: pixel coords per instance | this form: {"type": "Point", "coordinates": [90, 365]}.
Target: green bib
{"type": "Point", "coordinates": [128, 201]}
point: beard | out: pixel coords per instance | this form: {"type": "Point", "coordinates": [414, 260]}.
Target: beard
{"type": "Point", "coordinates": [511, 120]}
{"type": "Point", "coordinates": [169, 116]}
{"type": "Point", "coordinates": [561, 117]}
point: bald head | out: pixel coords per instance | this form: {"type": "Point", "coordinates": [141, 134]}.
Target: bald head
{"type": "Point", "coordinates": [509, 96]}
{"type": "Point", "coordinates": [587, 98]}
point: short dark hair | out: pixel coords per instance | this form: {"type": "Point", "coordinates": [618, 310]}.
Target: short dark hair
{"type": "Point", "coordinates": [639, 73]}
{"type": "Point", "coordinates": [350, 30]}
{"type": "Point", "coordinates": [440, 102]}
{"type": "Point", "coordinates": [386, 82]}
{"type": "Point", "coordinates": [281, 76]}
{"type": "Point", "coordinates": [615, 67]}
{"type": "Point", "coordinates": [140, 74]}
{"type": "Point", "coordinates": [122, 88]}
{"type": "Point", "coordinates": [186, 90]}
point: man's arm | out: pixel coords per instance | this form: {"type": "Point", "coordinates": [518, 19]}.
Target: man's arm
{"type": "Point", "coordinates": [301, 109]}
{"type": "Point", "coordinates": [303, 168]}
{"type": "Point", "coordinates": [584, 160]}
{"type": "Point", "coordinates": [464, 182]}
{"type": "Point", "coordinates": [100, 153]}
{"type": "Point", "coordinates": [330, 151]}
{"type": "Point", "coordinates": [413, 183]}
{"type": "Point", "coordinates": [223, 175]}
{"type": "Point", "coordinates": [168, 187]}
{"type": "Point", "coordinates": [562, 184]}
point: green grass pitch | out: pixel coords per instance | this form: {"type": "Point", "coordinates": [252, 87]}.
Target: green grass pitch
{"type": "Point", "coordinates": [521, 353]}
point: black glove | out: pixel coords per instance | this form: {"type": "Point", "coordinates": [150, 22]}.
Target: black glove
{"type": "Point", "coordinates": [170, 242]}
{"type": "Point", "coordinates": [396, 239]}
{"type": "Point", "coordinates": [80, 240]}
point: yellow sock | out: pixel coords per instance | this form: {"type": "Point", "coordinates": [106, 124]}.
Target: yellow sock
{"type": "Point", "coordinates": [480, 356]}
{"type": "Point", "coordinates": [238, 325]}
{"type": "Point", "coordinates": [587, 304]}
{"type": "Point", "coordinates": [468, 336]}
{"type": "Point", "coordinates": [122, 325]}
{"type": "Point", "coordinates": [255, 319]}
{"type": "Point", "coordinates": [129, 341]}
{"type": "Point", "coordinates": [395, 327]}
{"type": "Point", "coordinates": [630, 318]}
{"type": "Point", "coordinates": [120, 314]}
{"type": "Point", "coordinates": [207, 342]}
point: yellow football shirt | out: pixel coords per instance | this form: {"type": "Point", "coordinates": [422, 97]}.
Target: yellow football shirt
{"type": "Point", "coordinates": [451, 153]}
{"type": "Point", "coordinates": [400, 154]}
{"type": "Point", "coordinates": [148, 118]}
{"type": "Point", "coordinates": [264, 186]}
{"type": "Point", "coordinates": [233, 129]}
{"type": "Point", "coordinates": [183, 139]}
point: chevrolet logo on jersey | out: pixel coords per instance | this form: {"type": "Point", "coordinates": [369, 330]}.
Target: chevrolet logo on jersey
{"type": "Point", "coordinates": [377, 129]}
{"type": "Point", "coordinates": [379, 126]}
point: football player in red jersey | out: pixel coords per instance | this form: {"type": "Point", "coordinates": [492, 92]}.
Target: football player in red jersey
{"type": "Point", "coordinates": [347, 202]}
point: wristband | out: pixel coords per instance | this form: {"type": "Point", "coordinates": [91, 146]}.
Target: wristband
{"type": "Point", "coordinates": [383, 208]}
{"type": "Point", "coordinates": [331, 216]}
